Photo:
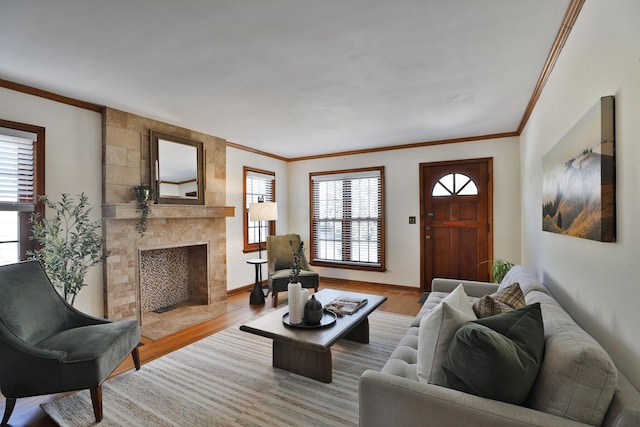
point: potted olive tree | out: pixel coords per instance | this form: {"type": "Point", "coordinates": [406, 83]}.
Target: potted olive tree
{"type": "Point", "coordinates": [69, 243]}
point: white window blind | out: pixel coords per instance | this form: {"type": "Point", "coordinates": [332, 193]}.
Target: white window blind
{"type": "Point", "coordinates": [258, 186]}
{"type": "Point", "coordinates": [347, 218]}
{"type": "Point", "coordinates": [16, 173]}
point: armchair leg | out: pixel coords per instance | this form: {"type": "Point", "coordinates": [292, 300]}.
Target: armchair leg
{"type": "Point", "coordinates": [135, 354]}
{"type": "Point", "coordinates": [8, 410]}
{"type": "Point", "coordinates": [96, 399]}
{"type": "Point", "coordinates": [275, 299]}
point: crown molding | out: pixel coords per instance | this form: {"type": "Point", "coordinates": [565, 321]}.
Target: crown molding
{"type": "Point", "coordinates": [570, 18]}
{"type": "Point", "coordinates": [51, 96]}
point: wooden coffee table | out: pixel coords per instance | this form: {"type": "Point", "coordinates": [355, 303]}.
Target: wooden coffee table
{"type": "Point", "coordinates": [308, 351]}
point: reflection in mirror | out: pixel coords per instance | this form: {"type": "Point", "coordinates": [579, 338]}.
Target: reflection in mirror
{"type": "Point", "coordinates": [178, 176]}
{"type": "Point", "coordinates": [177, 171]}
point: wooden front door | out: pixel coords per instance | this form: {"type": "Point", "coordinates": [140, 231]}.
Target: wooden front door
{"type": "Point", "coordinates": [456, 220]}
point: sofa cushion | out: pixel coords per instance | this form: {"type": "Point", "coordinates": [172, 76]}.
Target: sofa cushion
{"type": "Point", "coordinates": [577, 379]}
{"type": "Point", "coordinates": [402, 362]}
{"type": "Point", "coordinates": [432, 301]}
{"type": "Point", "coordinates": [437, 330]}
{"type": "Point", "coordinates": [504, 300]}
{"type": "Point", "coordinates": [497, 357]}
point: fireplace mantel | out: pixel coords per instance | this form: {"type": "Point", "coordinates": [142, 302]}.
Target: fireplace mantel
{"type": "Point", "coordinates": [128, 211]}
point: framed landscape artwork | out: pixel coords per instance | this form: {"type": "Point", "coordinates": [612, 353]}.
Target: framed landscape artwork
{"type": "Point", "coordinates": [578, 194]}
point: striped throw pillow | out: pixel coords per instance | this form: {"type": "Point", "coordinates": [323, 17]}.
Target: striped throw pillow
{"type": "Point", "coordinates": [502, 301]}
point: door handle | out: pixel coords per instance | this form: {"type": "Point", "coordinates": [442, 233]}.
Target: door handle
{"type": "Point", "coordinates": [427, 228]}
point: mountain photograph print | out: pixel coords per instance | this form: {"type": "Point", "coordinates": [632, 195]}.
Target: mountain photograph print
{"type": "Point", "coordinates": [578, 194]}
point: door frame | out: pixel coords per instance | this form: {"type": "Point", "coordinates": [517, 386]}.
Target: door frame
{"type": "Point", "coordinates": [426, 287]}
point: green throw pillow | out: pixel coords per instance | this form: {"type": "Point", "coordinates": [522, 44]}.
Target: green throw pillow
{"type": "Point", "coordinates": [497, 357]}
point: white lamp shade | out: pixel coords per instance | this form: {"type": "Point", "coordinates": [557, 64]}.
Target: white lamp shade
{"type": "Point", "coordinates": [266, 211]}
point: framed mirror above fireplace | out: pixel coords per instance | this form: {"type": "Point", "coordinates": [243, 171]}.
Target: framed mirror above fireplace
{"type": "Point", "coordinates": [177, 169]}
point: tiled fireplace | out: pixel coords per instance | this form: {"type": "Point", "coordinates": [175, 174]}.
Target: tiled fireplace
{"type": "Point", "coordinates": [186, 241]}
{"type": "Point", "coordinates": [170, 276]}
{"type": "Point", "coordinates": [201, 229]}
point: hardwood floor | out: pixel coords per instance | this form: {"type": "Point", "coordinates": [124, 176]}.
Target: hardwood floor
{"type": "Point", "coordinates": [399, 300]}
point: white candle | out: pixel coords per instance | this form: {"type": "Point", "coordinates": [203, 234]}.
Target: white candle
{"type": "Point", "coordinates": [304, 296]}
{"type": "Point", "coordinates": [295, 303]}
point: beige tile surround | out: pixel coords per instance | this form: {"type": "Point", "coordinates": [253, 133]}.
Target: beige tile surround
{"type": "Point", "coordinates": [126, 164]}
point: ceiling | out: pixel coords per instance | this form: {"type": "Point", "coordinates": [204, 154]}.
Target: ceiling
{"type": "Point", "coordinates": [292, 78]}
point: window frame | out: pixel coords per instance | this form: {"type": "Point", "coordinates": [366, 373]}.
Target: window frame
{"type": "Point", "coordinates": [455, 189]}
{"type": "Point", "coordinates": [346, 239]}
{"type": "Point", "coordinates": [253, 247]}
{"type": "Point", "coordinates": [24, 224]}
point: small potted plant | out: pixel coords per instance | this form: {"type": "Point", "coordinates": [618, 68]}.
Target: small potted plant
{"type": "Point", "coordinates": [499, 269]}
{"type": "Point", "coordinates": [296, 303]}
{"type": "Point", "coordinates": [143, 206]}
{"type": "Point", "coordinates": [296, 263]}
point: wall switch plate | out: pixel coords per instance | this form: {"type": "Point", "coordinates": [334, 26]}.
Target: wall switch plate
{"type": "Point", "coordinates": [412, 220]}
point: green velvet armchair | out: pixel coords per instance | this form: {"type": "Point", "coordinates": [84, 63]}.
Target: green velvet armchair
{"type": "Point", "coordinates": [47, 346]}
{"type": "Point", "coordinates": [279, 260]}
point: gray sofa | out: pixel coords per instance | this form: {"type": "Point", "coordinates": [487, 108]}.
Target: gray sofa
{"type": "Point", "coordinates": [577, 383]}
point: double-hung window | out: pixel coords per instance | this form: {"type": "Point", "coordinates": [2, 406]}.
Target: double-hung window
{"type": "Point", "coordinates": [347, 218]}
{"type": "Point", "coordinates": [259, 185]}
{"type": "Point", "coordinates": [21, 152]}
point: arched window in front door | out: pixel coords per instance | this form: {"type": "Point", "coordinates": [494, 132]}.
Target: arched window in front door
{"type": "Point", "coordinates": [455, 184]}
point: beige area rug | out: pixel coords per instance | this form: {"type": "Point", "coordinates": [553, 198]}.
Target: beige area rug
{"type": "Point", "coordinates": [159, 325]}
{"type": "Point", "coordinates": [227, 379]}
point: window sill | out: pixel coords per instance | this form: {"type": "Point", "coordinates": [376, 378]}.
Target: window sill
{"type": "Point", "coordinates": [348, 266]}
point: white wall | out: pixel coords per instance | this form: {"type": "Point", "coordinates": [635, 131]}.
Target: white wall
{"type": "Point", "coordinates": [596, 282]}
{"type": "Point", "coordinates": [402, 199]}
{"type": "Point", "coordinates": [73, 162]}
{"type": "Point", "coordinates": [239, 273]}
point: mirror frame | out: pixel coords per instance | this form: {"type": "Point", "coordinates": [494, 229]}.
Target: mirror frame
{"type": "Point", "coordinates": [154, 137]}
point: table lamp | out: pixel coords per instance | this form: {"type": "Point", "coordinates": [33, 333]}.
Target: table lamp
{"type": "Point", "coordinates": [262, 211]}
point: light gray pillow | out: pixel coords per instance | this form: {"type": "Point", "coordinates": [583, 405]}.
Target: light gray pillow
{"type": "Point", "coordinates": [437, 329]}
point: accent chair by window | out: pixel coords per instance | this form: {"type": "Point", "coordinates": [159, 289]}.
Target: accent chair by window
{"type": "Point", "coordinates": [279, 261]}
